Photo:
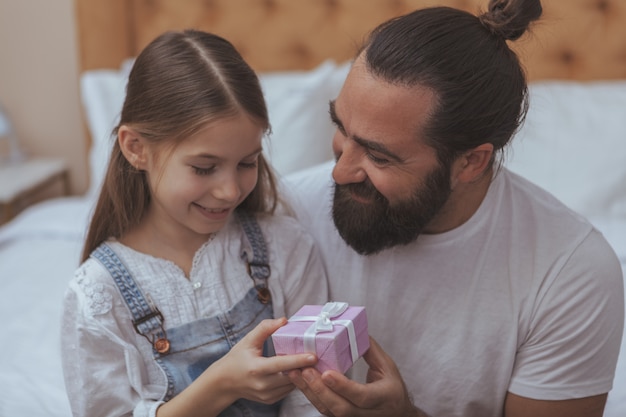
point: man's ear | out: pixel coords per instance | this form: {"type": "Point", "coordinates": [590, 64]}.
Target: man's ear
{"type": "Point", "coordinates": [133, 146]}
{"type": "Point", "coordinates": [473, 163]}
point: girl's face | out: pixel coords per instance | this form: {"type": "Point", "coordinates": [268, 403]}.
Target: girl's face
{"type": "Point", "coordinates": [197, 185]}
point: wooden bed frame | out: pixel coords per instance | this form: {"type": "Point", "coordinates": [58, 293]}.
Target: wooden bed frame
{"type": "Point", "coordinates": [575, 39]}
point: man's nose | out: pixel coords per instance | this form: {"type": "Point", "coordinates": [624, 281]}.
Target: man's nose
{"type": "Point", "coordinates": [348, 168]}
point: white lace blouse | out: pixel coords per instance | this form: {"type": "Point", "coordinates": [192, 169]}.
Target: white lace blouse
{"type": "Point", "coordinates": [108, 367]}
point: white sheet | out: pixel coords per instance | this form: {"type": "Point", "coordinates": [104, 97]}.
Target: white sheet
{"type": "Point", "coordinates": [39, 252]}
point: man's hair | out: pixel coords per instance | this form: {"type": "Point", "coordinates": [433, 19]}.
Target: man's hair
{"type": "Point", "coordinates": [480, 86]}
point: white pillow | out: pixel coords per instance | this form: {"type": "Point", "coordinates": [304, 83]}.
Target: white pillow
{"type": "Point", "coordinates": [297, 104]}
{"type": "Point", "coordinates": [298, 109]}
{"type": "Point", "coordinates": [573, 144]}
{"type": "Point", "coordinates": [102, 93]}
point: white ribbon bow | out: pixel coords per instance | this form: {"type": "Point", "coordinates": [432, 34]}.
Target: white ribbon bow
{"type": "Point", "coordinates": [323, 323]}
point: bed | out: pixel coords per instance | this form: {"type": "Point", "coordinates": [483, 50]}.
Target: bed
{"type": "Point", "coordinates": [572, 143]}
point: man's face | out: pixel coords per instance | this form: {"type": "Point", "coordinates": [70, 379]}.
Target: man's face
{"type": "Point", "coordinates": [389, 183]}
{"type": "Point", "coordinates": [371, 227]}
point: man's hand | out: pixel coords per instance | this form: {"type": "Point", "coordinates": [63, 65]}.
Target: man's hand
{"type": "Point", "coordinates": [333, 394]}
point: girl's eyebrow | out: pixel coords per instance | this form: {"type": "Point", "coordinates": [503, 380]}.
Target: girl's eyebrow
{"type": "Point", "coordinates": [365, 143]}
{"type": "Point", "coordinates": [211, 156]}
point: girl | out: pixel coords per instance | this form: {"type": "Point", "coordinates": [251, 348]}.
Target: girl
{"type": "Point", "coordinates": [183, 260]}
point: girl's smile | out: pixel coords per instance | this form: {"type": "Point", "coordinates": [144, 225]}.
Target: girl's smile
{"type": "Point", "coordinates": [214, 214]}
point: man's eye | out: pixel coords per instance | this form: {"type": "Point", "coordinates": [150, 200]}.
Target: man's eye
{"type": "Point", "coordinates": [377, 160]}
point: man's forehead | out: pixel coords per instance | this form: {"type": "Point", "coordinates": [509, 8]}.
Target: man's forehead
{"type": "Point", "coordinates": [391, 115]}
{"type": "Point", "coordinates": [364, 94]}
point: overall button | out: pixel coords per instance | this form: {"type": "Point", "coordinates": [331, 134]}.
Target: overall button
{"type": "Point", "coordinates": [263, 294]}
{"type": "Point", "coordinates": [162, 345]}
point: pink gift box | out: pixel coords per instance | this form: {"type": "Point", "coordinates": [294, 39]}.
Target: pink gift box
{"type": "Point", "coordinates": [331, 344]}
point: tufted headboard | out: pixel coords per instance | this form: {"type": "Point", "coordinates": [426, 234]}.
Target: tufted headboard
{"type": "Point", "coordinates": [575, 39]}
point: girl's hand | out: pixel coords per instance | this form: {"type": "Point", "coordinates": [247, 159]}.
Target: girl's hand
{"type": "Point", "coordinates": [246, 373]}
{"type": "Point", "coordinates": [242, 373]}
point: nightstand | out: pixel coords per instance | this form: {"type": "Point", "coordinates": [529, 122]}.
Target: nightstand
{"type": "Point", "coordinates": [25, 183]}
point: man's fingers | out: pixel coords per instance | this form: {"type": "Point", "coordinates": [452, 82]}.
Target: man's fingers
{"type": "Point", "coordinates": [341, 385]}
{"type": "Point", "coordinates": [334, 394]}
{"type": "Point", "coordinates": [295, 376]}
{"type": "Point", "coordinates": [381, 366]}
{"type": "Point", "coordinates": [309, 381]}
{"type": "Point", "coordinates": [375, 356]}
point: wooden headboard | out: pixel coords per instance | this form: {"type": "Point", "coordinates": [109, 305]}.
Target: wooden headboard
{"type": "Point", "coordinates": [575, 39]}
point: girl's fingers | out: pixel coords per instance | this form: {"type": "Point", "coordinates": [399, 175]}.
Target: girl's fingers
{"type": "Point", "coordinates": [262, 332]}
{"type": "Point", "coordinates": [272, 395]}
{"type": "Point", "coordinates": [284, 363]}
{"type": "Point", "coordinates": [276, 364]}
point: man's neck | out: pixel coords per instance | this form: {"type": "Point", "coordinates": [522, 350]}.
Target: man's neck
{"type": "Point", "coordinates": [463, 202]}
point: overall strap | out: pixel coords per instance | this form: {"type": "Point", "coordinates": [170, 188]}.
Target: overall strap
{"type": "Point", "coordinates": [147, 319]}
{"type": "Point", "coordinates": [258, 266]}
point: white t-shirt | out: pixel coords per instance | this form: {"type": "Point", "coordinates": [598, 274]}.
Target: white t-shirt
{"type": "Point", "coordinates": [109, 368]}
{"type": "Point", "coordinates": [525, 297]}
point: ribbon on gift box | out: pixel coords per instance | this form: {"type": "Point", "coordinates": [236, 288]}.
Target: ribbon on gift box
{"type": "Point", "coordinates": [323, 323]}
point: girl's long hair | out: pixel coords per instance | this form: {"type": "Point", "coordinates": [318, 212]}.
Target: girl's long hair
{"type": "Point", "coordinates": [178, 83]}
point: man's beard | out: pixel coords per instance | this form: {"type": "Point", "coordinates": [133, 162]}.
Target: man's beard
{"type": "Point", "coordinates": [377, 225]}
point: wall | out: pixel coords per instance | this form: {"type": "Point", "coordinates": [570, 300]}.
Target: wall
{"type": "Point", "coordinates": [39, 81]}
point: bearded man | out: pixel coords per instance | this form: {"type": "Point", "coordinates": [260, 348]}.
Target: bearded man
{"type": "Point", "coordinates": [485, 296]}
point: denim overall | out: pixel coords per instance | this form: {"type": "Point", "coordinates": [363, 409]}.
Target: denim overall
{"type": "Point", "coordinates": [185, 351]}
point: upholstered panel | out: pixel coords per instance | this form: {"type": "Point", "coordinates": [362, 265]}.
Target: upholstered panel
{"type": "Point", "coordinates": [104, 35]}
{"type": "Point", "coordinates": [576, 39]}
{"type": "Point", "coordinates": [277, 34]}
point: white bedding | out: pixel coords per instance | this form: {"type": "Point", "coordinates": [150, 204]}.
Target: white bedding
{"type": "Point", "coordinates": [39, 252]}
{"type": "Point", "coordinates": [572, 144]}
